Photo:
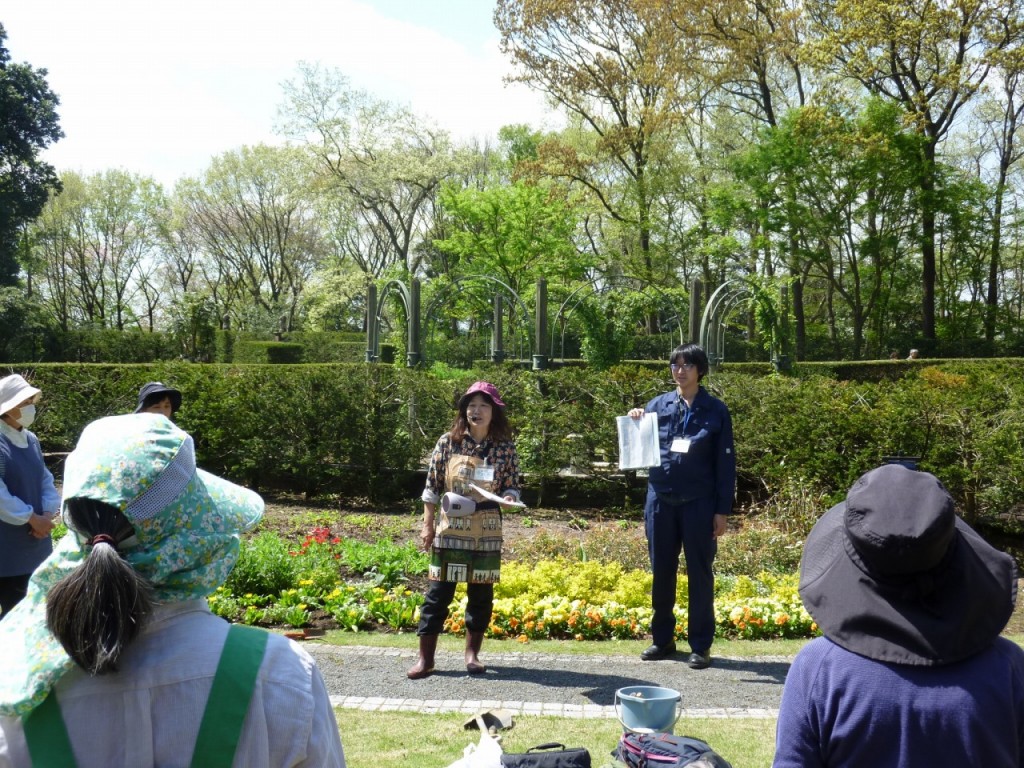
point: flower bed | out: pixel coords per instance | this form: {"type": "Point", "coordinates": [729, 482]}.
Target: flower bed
{"type": "Point", "coordinates": [355, 586]}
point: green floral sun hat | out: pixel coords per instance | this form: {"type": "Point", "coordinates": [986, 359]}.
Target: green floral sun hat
{"type": "Point", "coordinates": [187, 529]}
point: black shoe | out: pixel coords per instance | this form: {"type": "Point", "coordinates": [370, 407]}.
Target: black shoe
{"type": "Point", "coordinates": [699, 660]}
{"type": "Point", "coordinates": [655, 652]}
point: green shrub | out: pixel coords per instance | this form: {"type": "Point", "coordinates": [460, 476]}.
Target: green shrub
{"type": "Point", "coordinates": [265, 567]}
{"type": "Point", "coordinates": [363, 429]}
{"type": "Point", "coordinates": [274, 352]}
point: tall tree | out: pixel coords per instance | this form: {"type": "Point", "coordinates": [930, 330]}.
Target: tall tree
{"type": "Point", "coordinates": [751, 53]}
{"type": "Point", "coordinates": [28, 125]}
{"type": "Point", "coordinates": [91, 243]}
{"type": "Point", "coordinates": [931, 57]}
{"type": "Point", "coordinates": [1002, 122]}
{"type": "Point", "coordinates": [379, 155]}
{"type": "Point", "coordinates": [517, 233]}
{"type": "Point", "coordinates": [835, 186]}
{"type": "Point", "coordinates": [622, 69]}
{"type": "Point", "coordinates": [253, 214]}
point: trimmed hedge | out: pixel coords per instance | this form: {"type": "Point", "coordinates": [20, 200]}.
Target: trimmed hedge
{"type": "Point", "coordinates": [279, 352]}
{"type": "Point", "coordinates": [366, 429]}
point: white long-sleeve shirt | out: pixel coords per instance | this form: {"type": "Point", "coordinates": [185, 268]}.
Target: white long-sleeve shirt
{"type": "Point", "coordinates": [148, 712]}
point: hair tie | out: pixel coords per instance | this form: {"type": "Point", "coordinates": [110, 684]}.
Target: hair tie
{"type": "Point", "coordinates": [103, 538]}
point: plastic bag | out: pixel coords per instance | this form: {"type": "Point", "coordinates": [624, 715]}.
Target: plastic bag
{"type": "Point", "coordinates": [486, 753]}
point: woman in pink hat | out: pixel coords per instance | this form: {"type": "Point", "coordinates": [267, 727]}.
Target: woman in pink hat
{"type": "Point", "coordinates": [28, 498]}
{"type": "Point", "coordinates": [472, 464]}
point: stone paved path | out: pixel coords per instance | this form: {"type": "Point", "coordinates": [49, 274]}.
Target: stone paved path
{"type": "Point", "coordinates": [563, 685]}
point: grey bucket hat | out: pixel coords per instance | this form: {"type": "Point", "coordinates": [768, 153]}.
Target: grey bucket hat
{"type": "Point", "coordinates": [893, 574]}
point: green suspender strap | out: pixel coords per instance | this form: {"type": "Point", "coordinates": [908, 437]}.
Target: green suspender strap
{"type": "Point", "coordinates": [219, 732]}
{"type": "Point", "coordinates": [230, 694]}
{"type": "Point", "coordinates": [47, 738]}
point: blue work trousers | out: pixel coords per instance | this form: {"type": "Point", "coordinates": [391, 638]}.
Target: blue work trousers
{"type": "Point", "coordinates": [673, 525]}
{"type": "Point", "coordinates": [433, 612]}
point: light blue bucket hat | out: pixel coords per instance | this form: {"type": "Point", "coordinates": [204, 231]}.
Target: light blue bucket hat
{"type": "Point", "coordinates": [187, 530]}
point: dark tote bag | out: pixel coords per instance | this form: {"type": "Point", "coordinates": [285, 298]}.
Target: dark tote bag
{"type": "Point", "coordinates": [550, 755]}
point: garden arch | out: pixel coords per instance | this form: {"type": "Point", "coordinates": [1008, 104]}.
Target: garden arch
{"type": "Point", "coordinates": [410, 297]}
{"type": "Point", "coordinates": [497, 336]}
{"type": "Point", "coordinates": [742, 292]}
{"type": "Point", "coordinates": [576, 297]}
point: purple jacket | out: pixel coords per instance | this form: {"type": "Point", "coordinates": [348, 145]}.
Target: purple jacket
{"type": "Point", "coordinates": [842, 710]}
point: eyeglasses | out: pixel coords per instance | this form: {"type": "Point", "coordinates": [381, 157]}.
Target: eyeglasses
{"type": "Point", "coordinates": [684, 366]}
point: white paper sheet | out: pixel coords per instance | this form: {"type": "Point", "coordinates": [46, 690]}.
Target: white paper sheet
{"type": "Point", "coordinates": [493, 497]}
{"type": "Point", "coordinates": [638, 441]}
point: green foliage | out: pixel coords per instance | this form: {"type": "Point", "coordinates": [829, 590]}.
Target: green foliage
{"type": "Point", "coordinates": [29, 123]}
{"type": "Point", "coordinates": [516, 232]}
{"type": "Point", "coordinates": [103, 346]}
{"type": "Point", "coordinates": [23, 324]}
{"type": "Point", "coordinates": [194, 323]}
{"type": "Point", "coordinates": [267, 352]}
{"type": "Point", "coordinates": [265, 567]}
{"type": "Point", "coordinates": [365, 429]}
{"type": "Point", "coordinates": [384, 562]}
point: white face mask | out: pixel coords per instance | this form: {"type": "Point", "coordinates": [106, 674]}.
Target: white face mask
{"type": "Point", "coordinates": [28, 415]}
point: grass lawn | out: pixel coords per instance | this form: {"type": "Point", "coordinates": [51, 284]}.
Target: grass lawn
{"type": "Point", "coordinates": [394, 739]}
{"type": "Point", "coordinates": [409, 740]}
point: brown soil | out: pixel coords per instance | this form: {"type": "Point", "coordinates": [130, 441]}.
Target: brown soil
{"type": "Point", "coordinates": [293, 517]}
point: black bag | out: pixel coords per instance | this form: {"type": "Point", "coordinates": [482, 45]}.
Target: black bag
{"type": "Point", "coordinates": [557, 757]}
{"type": "Point", "coordinates": [664, 750]}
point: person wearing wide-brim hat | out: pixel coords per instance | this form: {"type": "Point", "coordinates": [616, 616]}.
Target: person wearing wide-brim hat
{"type": "Point", "coordinates": [157, 397]}
{"type": "Point", "coordinates": [114, 657]}
{"type": "Point", "coordinates": [476, 454]}
{"type": "Point", "coordinates": [911, 670]}
{"type": "Point", "coordinates": [29, 500]}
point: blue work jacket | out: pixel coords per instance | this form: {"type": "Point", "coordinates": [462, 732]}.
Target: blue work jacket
{"type": "Point", "coordinates": [707, 469]}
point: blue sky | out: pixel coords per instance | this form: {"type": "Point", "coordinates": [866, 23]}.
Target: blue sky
{"type": "Point", "coordinates": [160, 88]}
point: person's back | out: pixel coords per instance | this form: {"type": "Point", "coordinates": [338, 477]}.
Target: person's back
{"type": "Point", "coordinates": [911, 670]}
{"type": "Point", "coordinates": [149, 711]}
{"type": "Point", "coordinates": [114, 659]}
{"type": "Point", "coordinates": [869, 713]}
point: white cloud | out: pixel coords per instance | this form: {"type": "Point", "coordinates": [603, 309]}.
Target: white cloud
{"type": "Point", "coordinates": [161, 88]}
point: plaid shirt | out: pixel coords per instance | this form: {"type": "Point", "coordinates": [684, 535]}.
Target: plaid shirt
{"type": "Point", "coordinates": [501, 455]}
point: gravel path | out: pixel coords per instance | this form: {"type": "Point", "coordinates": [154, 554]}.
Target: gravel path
{"type": "Point", "coordinates": [531, 683]}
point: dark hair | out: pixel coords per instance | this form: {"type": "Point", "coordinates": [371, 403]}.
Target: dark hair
{"type": "Point", "coordinates": [499, 429]}
{"type": "Point", "coordinates": [691, 353]}
{"type": "Point", "coordinates": [98, 609]}
{"type": "Point", "coordinates": [156, 398]}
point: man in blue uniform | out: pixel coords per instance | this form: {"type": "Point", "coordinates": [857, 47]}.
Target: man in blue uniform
{"type": "Point", "coordinates": [689, 496]}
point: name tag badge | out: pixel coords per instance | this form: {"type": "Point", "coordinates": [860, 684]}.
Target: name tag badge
{"type": "Point", "coordinates": [680, 445]}
{"type": "Point", "coordinates": [484, 474]}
